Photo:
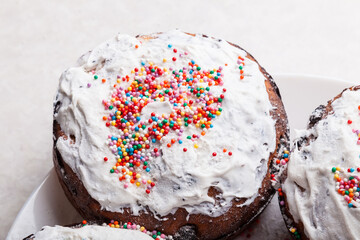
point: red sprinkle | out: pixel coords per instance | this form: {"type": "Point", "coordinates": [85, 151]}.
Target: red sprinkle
{"type": "Point", "coordinates": [349, 122]}
{"type": "Point", "coordinates": [230, 153]}
{"type": "Point", "coordinates": [214, 154]}
{"type": "Point", "coordinates": [105, 159]}
{"type": "Point", "coordinates": [174, 59]}
{"type": "Point", "coordinates": [185, 149]}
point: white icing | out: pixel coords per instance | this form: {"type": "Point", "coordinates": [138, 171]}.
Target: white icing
{"type": "Point", "coordinates": [319, 206]}
{"type": "Point", "coordinates": [89, 232]}
{"type": "Point", "coordinates": [245, 127]}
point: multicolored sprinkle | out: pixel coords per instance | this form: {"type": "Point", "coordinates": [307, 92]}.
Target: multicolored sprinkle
{"type": "Point", "coordinates": [188, 90]}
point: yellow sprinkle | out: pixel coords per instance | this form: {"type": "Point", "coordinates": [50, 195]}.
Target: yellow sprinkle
{"type": "Point", "coordinates": [292, 230]}
{"type": "Point", "coordinates": [117, 226]}
{"type": "Point", "coordinates": [338, 168]}
{"type": "Point", "coordinates": [127, 158]}
{"type": "Point", "coordinates": [138, 176]}
{"type": "Point", "coordinates": [125, 153]}
{"type": "Point", "coordinates": [132, 71]}
{"type": "Point", "coordinates": [286, 151]}
{"type": "Point", "coordinates": [129, 88]}
{"type": "Point", "coordinates": [218, 113]}
{"type": "Point", "coordinates": [142, 69]}
{"type": "Point", "coordinates": [114, 167]}
{"type": "Point", "coordinates": [130, 173]}
{"type": "Point", "coordinates": [137, 184]}
{"type": "Point", "coordinates": [149, 181]}
{"type": "Point", "coordinates": [142, 229]}
{"type": "Point", "coordinates": [112, 225]}
{"type": "Point", "coordinates": [164, 60]}
{"type": "Point", "coordinates": [196, 146]}
{"type": "Point", "coordinates": [336, 176]}
{"type": "Point", "coordinates": [118, 81]}
{"type": "Point", "coordinates": [113, 100]}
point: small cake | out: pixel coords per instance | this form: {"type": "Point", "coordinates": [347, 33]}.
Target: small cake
{"type": "Point", "coordinates": [178, 132]}
{"type": "Point", "coordinates": [113, 230]}
{"type": "Point", "coordinates": [320, 196]}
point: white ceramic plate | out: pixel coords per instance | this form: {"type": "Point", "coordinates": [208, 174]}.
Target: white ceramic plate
{"type": "Point", "coordinates": [301, 94]}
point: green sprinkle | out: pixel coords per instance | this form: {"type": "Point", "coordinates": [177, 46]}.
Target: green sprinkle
{"type": "Point", "coordinates": [112, 171]}
{"type": "Point", "coordinates": [96, 77]}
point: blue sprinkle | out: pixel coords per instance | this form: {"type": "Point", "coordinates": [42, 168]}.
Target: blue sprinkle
{"type": "Point", "coordinates": [136, 128]}
{"type": "Point", "coordinates": [169, 46]}
{"type": "Point", "coordinates": [286, 155]}
{"type": "Point", "coordinates": [148, 169]}
{"type": "Point", "coordinates": [153, 140]}
{"type": "Point", "coordinates": [180, 141]}
{"type": "Point", "coordinates": [352, 169]}
{"type": "Point", "coordinates": [138, 118]}
{"type": "Point", "coordinates": [126, 102]}
{"type": "Point", "coordinates": [127, 150]}
{"type": "Point", "coordinates": [113, 117]}
{"type": "Point", "coordinates": [211, 125]}
{"type": "Point", "coordinates": [218, 74]}
{"type": "Point", "coordinates": [154, 129]}
{"type": "Point", "coordinates": [172, 122]}
{"type": "Point", "coordinates": [350, 205]}
{"type": "Point", "coordinates": [191, 71]}
{"type": "Point", "coordinates": [192, 61]}
{"type": "Point", "coordinates": [119, 148]}
{"type": "Point", "coordinates": [175, 104]}
{"type": "Point", "coordinates": [128, 94]}
{"type": "Point", "coordinates": [143, 63]}
{"type": "Point", "coordinates": [113, 138]}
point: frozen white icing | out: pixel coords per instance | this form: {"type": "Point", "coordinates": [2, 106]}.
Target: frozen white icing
{"type": "Point", "coordinates": [182, 179]}
{"type": "Point", "coordinates": [89, 232]}
{"type": "Point", "coordinates": [310, 187]}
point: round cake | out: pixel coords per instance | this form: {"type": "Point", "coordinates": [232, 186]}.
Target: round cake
{"type": "Point", "coordinates": [85, 230]}
{"type": "Point", "coordinates": [320, 196]}
{"type": "Point", "coordinates": [178, 132]}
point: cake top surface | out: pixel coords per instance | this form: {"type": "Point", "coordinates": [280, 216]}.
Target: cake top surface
{"type": "Point", "coordinates": [160, 119]}
{"type": "Point", "coordinates": [322, 187]}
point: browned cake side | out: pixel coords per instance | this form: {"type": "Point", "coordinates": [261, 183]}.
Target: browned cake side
{"type": "Point", "coordinates": [196, 226]}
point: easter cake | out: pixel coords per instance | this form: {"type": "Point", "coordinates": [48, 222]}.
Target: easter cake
{"type": "Point", "coordinates": [178, 132]}
{"type": "Point", "coordinates": [96, 231]}
{"type": "Point", "coordinates": [320, 196]}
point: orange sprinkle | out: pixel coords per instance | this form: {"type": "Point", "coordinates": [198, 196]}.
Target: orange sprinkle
{"type": "Point", "coordinates": [242, 77]}
{"type": "Point", "coordinates": [224, 150]}
{"type": "Point", "coordinates": [136, 46]}
{"type": "Point", "coordinates": [103, 80]}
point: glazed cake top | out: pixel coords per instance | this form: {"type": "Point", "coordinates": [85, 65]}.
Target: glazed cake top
{"type": "Point", "coordinates": [160, 119]}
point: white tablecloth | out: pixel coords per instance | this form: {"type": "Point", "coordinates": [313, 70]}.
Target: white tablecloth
{"type": "Point", "coordinates": [40, 39]}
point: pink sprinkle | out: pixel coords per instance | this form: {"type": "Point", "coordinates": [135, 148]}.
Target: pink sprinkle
{"type": "Point", "coordinates": [283, 162]}
{"type": "Point", "coordinates": [126, 185]}
{"type": "Point", "coordinates": [358, 142]}
{"type": "Point", "coordinates": [89, 85]}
